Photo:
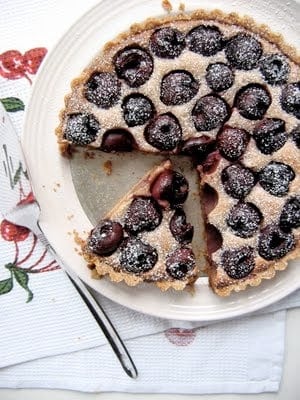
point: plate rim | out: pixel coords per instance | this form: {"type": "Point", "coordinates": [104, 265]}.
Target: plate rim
{"type": "Point", "coordinates": [26, 143]}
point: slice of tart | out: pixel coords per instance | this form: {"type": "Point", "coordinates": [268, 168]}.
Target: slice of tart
{"type": "Point", "coordinates": [145, 237]}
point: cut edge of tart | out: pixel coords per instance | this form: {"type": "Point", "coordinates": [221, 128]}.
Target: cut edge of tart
{"type": "Point", "coordinates": [134, 229]}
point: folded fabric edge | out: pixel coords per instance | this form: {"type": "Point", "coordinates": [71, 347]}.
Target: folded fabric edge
{"type": "Point", "coordinates": [84, 385]}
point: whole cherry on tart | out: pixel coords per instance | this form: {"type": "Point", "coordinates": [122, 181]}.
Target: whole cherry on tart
{"type": "Point", "coordinates": [243, 51]}
{"type": "Point", "coordinates": [238, 263]}
{"type": "Point", "coordinates": [219, 76]}
{"type": "Point", "coordinates": [163, 132]}
{"type": "Point", "coordinates": [143, 214]}
{"type": "Point", "coordinates": [167, 42]}
{"type": "Point", "coordinates": [274, 243]}
{"type": "Point", "coordinates": [252, 101]}
{"type": "Point", "coordinates": [137, 256]}
{"type": "Point", "coordinates": [270, 135]}
{"type": "Point", "coordinates": [198, 147]}
{"type": "Point", "coordinates": [210, 112]}
{"type": "Point", "coordinates": [290, 99]}
{"type": "Point", "coordinates": [180, 262]}
{"type": "Point", "coordinates": [134, 64]}
{"type": "Point", "coordinates": [117, 139]}
{"type": "Point", "coordinates": [275, 178]}
{"type": "Point", "coordinates": [244, 219]}
{"type": "Point", "coordinates": [170, 188]}
{"type": "Point", "coordinates": [296, 135]}
{"type": "Point", "coordinates": [238, 180]}
{"type": "Point", "coordinates": [181, 230]}
{"type": "Point", "coordinates": [81, 128]}
{"type": "Point", "coordinates": [178, 87]}
{"type": "Point", "coordinates": [103, 89]}
{"type": "Point", "coordinates": [105, 238]}
{"type": "Point", "coordinates": [290, 215]}
{"type": "Point", "coordinates": [137, 109]}
{"type": "Point", "coordinates": [274, 68]}
{"type": "Point", "coordinates": [232, 142]}
{"type": "Point", "coordinates": [206, 40]}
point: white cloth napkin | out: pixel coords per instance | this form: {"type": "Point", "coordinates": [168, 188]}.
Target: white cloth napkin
{"type": "Point", "coordinates": [53, 342]}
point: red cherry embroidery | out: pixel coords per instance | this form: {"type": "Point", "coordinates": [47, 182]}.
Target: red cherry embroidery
{"type": "Point", "coordinates": [13, 233]}
{"type": "Point", "coordinates": [11, 64]}
{"type": "Point", "coordinates": [180, 336]}
{"type": "Point", "coordinates": [14, 65]}
{"type": "Point", "coordinates": [27, 200]}
{"type": "Point", "coordinates": [33, 59]}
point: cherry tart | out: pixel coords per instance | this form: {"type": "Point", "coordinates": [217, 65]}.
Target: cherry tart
{"type": "Point", "coordinates": [223, 91]}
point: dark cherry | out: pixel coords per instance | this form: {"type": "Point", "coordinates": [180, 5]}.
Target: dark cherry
{"type": "Point", "coordinates": [238, 180]}
{"type": "Point", "coordinates": [290, 99]}
{"type": "Point", "coordinates": [270, 135]}
{"type": "Point", "coordinates": [296, 135]}
{"type": "Point", "coordinates": [214, 239]}
{"type": "Point", "coordinates": [137, 109]}
{"type": "Point", "coordinates": [198, 147]}
{"type": "Point", "coordinates": [143, 214]}
{"type": "Point", "coordinates": [290, 216]}
{"type": "Point", "coordinates": [244, 219]}
{"type": "Point", "coordinates": [232, 142]}
{"type": "Point", "coordinates": [243, 51]}
{"type": "Point", "coordinates": [252, 101]}
{"type": "Point", "coordinates": [210, 164]}
{"type": "Point", "coordinates": [205, 39]}
{"type": "Point", "coordinates": [210, 112]}
{"type": "Point", "coordinates": [136, 256]}
{"type": "Point", "coordinates": [133, 64]}
{"type": "Point", "coordinates": [274, 243]}
{"type": "Point", "coordinates": [178, 87]}
{"type": "Point", "coordinates": [181, 230]}
{"type": "Point", "coordinates": [105, 238]}
{"type": "Point", "coordinates": [167, 42]}
{"type": "Point", "coordinates": [209, 198]}
{"type": "Point", "coordinates": [276, 177]}
{"type": "Point", "coordinates": [170, 188]}
{"type": "Point", "coordinates": [81, 128]}
{"type": "Point", "coordinates": [219, 76]}
{"type": "Point", "coordinates": [180, 262]}
{"type": "Point", "coordinates": [103, 89]}
{"type": "Point", "coordinates": [274, 68]}
{"type": "Point", "coordinates": [117, 140]}
{"type": "Point", "coordinates": [238, 263]}
{"type": "Point", "coordinates": [163, 132]}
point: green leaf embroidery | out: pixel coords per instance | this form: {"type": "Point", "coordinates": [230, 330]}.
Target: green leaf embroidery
{"type": "Point", "coordinates": [26, 174]}
{"type": "Point", "coordinates": [22, 279]}
{"type": "Point", "coordinates": [12, 104]}
{"type": "Point", "coordinates": [6, 285]}
{"type": "Point", "coordinates": [18, 174]}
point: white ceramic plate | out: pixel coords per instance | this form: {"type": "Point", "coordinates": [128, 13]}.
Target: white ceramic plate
{"type": "Point", "coordinates": [51, 175]}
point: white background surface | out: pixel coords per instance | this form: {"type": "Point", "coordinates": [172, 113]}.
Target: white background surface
{"type": "Point", "coordinates": [289, 390]}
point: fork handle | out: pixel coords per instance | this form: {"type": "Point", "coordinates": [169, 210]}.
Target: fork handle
{"type": "Point", "coordinates": [105, 324]}
{"type": "Point", "coordinates": [101, 318]}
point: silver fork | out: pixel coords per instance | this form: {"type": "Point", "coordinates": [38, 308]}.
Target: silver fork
{"type": "Point", "coordinates": [28, 216]}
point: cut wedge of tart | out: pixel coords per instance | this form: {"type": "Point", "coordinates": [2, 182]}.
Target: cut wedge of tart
{"type": "Point", "coordinates": [224, 91]}
{"type": "Point", "coordinates": [145, 237]}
